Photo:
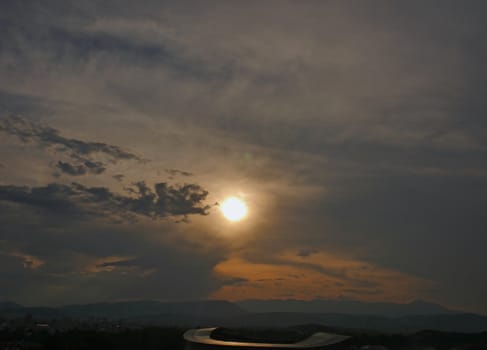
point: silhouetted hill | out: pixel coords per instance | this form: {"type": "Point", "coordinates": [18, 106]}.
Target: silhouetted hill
{"type": "Point", "coordinates": [223, 313]}
{"type": "Point", "coordinates": [14, 310]}
{"type": "Point", "coordinates": [127, 310]}
{"type": "Point", "coordinates": [451, 323]}
{"type": "Point", "coordinates": [8, 305]}
{"type": "Point", "coordinates": [345, 307]}
{"type": "Point", "coordinates": [132, 309]}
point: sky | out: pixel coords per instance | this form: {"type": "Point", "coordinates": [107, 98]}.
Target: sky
{"type": "Point", "coordinates": [355, 132]}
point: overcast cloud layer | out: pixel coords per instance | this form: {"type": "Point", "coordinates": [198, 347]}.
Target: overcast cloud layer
{"type": "Point", "coordinates": [356, 132]}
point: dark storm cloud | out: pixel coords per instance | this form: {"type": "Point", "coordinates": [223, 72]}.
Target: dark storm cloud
{"type": "Point", "coordinates": [162, 201]}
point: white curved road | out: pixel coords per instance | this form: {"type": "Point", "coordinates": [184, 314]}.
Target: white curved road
{"type": "Point", "coordinates": [202, 336]}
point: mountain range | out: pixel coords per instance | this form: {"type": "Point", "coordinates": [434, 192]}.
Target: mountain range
{"type": "Point", "coordinates": [351, 307]}
{"type": "Point", "coordinates": [386, 317]}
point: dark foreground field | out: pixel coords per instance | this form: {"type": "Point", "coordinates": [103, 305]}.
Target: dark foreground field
{"type": "Point", "coordinates": [146, 338]}
{"type": "Point", "coordinates": [171, 338]}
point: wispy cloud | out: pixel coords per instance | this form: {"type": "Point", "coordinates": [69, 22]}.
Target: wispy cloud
{"type": "Point", "coordinates": [29, 261]}
{"type": "Point", "coordinates": [81, 152]}
{"type": "Point", "coordinates": [327, 276]}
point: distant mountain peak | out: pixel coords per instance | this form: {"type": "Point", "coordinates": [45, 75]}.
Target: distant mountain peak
{"type": "Point", "coordinates": [354, 307]}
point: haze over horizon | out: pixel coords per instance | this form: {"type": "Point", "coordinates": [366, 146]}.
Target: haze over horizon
{"type": "Point", "coordinates": [349, 140]}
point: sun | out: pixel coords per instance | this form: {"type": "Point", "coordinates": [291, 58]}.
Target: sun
{"type": "Point", "coordinates": [233, 209]}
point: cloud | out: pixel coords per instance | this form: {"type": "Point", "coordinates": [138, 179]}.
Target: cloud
{"type": "Point", "coordinates": [83, 262]}
{"type": "Point", "coordinates": [29, 131]}
{"type": "Point", "coordinates": [29, 261]}
{"type": "Point", "coordinates": [174, 172]}
{"type": "Point", "coordinates": [234, 281]}
{"type": "Point", "coordinates": [53, 197]}
{"type": "Point", "coordinates": [82, 152]}
{"type": "Point", "coordinates": [81, 169]}
{"type": "Point", "coordinates": [119, 177]}
{"type": "Point", "coordinates": [162, 201]}
{"type": "Point", "coordinates": [286, 279]}
{"type": "Point", "coordinates": [118, 262]}
{"type": "Point", "coordinates": [307, 252]}
{"type": "Point", "coordinates": [88, 258]}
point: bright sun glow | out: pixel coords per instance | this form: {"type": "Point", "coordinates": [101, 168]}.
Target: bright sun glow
{"type": "Point", "coordinates": [233, 209]}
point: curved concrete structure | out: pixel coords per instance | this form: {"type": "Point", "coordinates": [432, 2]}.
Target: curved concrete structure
{"type": "Point", "coordinates": [320, 339]}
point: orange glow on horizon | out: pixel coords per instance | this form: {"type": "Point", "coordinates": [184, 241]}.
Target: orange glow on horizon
{"type": "Point", "coordinates": [313, 277]}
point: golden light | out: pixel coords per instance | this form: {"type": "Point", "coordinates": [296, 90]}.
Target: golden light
{"type": "Point", "coordinates": [233, 209]}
